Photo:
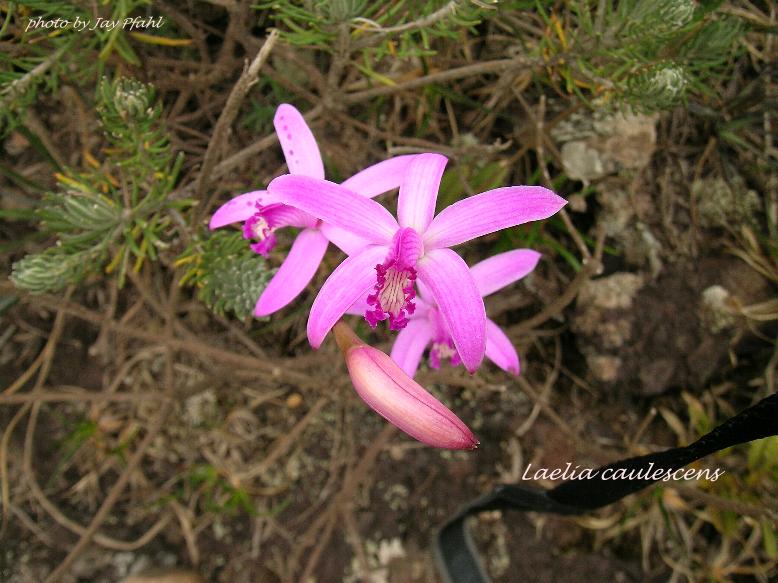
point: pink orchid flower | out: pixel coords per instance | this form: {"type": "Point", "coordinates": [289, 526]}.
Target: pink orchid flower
{"type": "Point", "coordinates": [416, 246]}
{"type": "Point", "coordinates": [399, 399]}
{"type": "Point", "coordinates": [426, 326]}
{"type": "Point", "coordinates": [263, 215]}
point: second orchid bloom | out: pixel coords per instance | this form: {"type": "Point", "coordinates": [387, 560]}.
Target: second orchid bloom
{"type": "Point", "coordinates": [263, 214]}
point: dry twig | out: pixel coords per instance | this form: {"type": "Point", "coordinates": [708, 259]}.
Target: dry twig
{"type": "Point", "coordinates": [230, 111]}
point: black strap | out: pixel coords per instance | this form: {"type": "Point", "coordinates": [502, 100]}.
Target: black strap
{"type": "Point", "coordinates": [456, 555]}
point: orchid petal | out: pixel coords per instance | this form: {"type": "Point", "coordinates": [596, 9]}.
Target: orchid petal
{"type": "Point", "coordinates": [489, 212]}
{"type": "Point", "coordinates": [351, 281]}
{"type": "Point", "coordinates": [237, 209]}
{"type": "Point", "coordinates": [424, 293]}
{"type": "Point", "coordinates": [346, 241]}
{"type": "Point", "coordinates": [359, 307]}
{"type": "Point", "coordinates": [337, 205]}
{"type": "Point", "coordinates": [295, 272]}
{"type": "Point", "coordinates": [501, 270]}
{"type": "Point", "coordinates": [297, 141]}
{"type": "Point", "coordinates": [410, 344]}
{"type": "Point", "coordinates": [379, 178]}
{"type": "Point", "coordinates": [399, 399]}
{"type": "Point", "coordinates": [281, 215]}
{"type": "Point", "coordinates": [499, 348]}
{"type": "Point", "coordinates": [419, 191]}
{"type": "Point", "coordinates": [452, 287]}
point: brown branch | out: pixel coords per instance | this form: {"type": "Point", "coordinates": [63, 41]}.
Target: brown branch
{"type": "Point", "coordinates": [32, 526]}
{"type": "Point", "coordinates": [113, 495]}
{"type": "Point", "coordinates": [283, 443]}
{"type": "Point", "coordinates": [100, 538]}
{"type": "Point", "coordinates": [735, 506]}
{"type": "Point", "coordinates": [118, 488]}
{"type": "Point", "coordinates": [590, 267]}
{"type": "Point", "coordinates": [44, 366]}
{"type": "Point", "coordinates": [450, 75]}
{"type": "Point", "coordinates": [230, 111]}
{"type": "Point", "coordinates": [4, 485]}
{"type": "Point", "coordinates": [541, 139]}
{"type": "Point", "coordinates": [79, 396]}
{"type": "Point", "coordinates": [56, 514]}
{"type": "Point", "coordinates": [355, 539]}
{"type": "Point", "coordinates": [223, 65]}
{"type": "Point", "coordinates": [340, 55]}
{"type": "Point", "coordinates": [327, 519]}
{"type": "Point", "coordinates": [279, 369]}
{"type": "Point", "coordinates": [25, 376]}
{"type": "Point", "coordinates": [547, 409]}
{"type": "Point", "coordinates": [424, 22]}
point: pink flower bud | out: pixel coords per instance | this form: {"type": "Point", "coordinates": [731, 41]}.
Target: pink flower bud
{"type": "Point", "coordinates": [399, 399]}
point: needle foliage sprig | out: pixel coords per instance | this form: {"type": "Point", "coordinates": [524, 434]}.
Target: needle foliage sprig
{"type": "Point", "coordinates": [117, 215]}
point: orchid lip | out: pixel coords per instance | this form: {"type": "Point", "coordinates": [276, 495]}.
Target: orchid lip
{"type": "Point", "coordinates": [258, 227]}
{"type": "Point", "coordinates": [442, 350]}
{"type": "Point", "coordinates": [393, 294]}
{"type": "Point", "coordinates": [393, 297]}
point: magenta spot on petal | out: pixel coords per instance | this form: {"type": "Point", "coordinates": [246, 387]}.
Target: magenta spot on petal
{"type": "Point", "coordinates": [248, 203]}
{"type": "Point", "coordinates": [288, 136]}
{"type": "Point", "coordinates": [291, 152]}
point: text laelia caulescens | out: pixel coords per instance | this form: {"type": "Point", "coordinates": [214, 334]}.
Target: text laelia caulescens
{"type": "Point", "coordinates": [650, 472]}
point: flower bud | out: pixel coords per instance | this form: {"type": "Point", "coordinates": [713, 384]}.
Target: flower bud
{"type": "Point", "coordinates": [398, 398]}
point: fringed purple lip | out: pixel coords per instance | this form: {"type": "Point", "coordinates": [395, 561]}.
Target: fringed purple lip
{"type": "Point", "coordinates": [393, 294]}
